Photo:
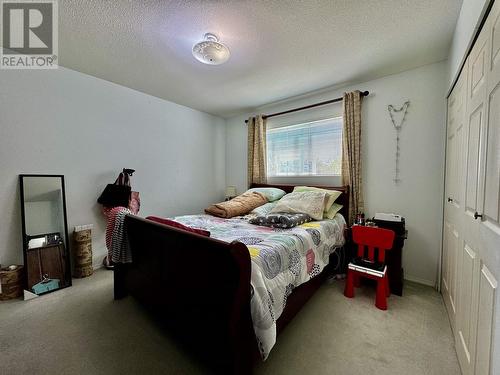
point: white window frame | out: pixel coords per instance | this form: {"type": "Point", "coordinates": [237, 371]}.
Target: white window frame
{"type": "Point", "coordinates": [326, 180]}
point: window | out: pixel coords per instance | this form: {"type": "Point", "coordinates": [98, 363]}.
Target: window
{"type": "Point", "coordinates": [309, 149]}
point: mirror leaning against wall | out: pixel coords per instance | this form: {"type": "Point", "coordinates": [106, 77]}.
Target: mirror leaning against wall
{"type": "Point", "coordinates": [45, 233]}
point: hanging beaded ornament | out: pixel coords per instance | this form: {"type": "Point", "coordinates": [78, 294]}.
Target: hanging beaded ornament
{"type": "Point", "coordinates": [398, 127]}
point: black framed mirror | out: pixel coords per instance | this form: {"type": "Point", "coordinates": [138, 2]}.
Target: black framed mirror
{"type": "Point", "coordinates": [45, 233]}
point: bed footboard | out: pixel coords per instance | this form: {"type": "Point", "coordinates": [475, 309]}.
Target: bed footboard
{"type": "Point", "coordinates": [199, 285]}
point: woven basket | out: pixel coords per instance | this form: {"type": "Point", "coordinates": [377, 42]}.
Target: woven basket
{"type": "Point", "coordinates": [83, 253]}
{"type": "Point", "coordinates": [12, 283]}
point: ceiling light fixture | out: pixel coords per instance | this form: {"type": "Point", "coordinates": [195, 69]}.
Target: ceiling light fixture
{"type": "Point", "coordinates": [211, 51]}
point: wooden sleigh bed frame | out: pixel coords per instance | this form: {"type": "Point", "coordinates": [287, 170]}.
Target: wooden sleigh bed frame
{"type": "Point", "coordinates": [200, 288]}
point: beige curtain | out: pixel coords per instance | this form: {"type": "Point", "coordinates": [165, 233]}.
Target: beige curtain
{"type": "Point", "coordinates": [257, 163]}
{"type": "Point", "coordinates": [351, 152]}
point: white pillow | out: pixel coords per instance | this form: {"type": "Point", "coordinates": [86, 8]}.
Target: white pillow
{"type": "Point", "coordinates": [272, 194]}
{"type": "Point", "coordinates": [264, 209]}
{"type": "Point", "coordinates": [332, 211]}
{"type": "Point", "coordinates": [331, 195]}
{"type": "Point", "coordinates": [311, 203]}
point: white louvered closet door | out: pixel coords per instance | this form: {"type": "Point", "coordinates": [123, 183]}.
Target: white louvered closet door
{"type": "Point", "coordinates": [455, 192]}
{"type": "Point", "coordinates": [469, 247]}
{"type": "Point", "coordinates": [488, 331]}
{"type": "Point", "coordinates": [471, 239]}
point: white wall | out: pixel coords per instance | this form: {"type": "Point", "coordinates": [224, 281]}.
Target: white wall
{"type": "Point", "coordinates": [419, 195]}
{"type": "Point", "coordinates": [468, 22]}
{"type": "Point", "coordinates": [65, 122]}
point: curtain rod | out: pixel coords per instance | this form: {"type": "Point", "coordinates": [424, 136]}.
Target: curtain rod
{"type": "Point", "coordinates": [363, 93]}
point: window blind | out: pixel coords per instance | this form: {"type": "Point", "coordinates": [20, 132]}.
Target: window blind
{"type": "Point", "coordinates": [308, 149]}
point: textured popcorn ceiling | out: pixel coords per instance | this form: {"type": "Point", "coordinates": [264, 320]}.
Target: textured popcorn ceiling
{"type": "Point", "coordinates": [279, 48]}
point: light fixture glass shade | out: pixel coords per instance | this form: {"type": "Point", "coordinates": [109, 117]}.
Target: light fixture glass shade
{"type": "Point", "coordinates": [211, 51]}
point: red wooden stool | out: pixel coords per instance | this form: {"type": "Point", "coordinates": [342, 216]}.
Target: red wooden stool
{"type": "Point", "coordinates": [368, 265]}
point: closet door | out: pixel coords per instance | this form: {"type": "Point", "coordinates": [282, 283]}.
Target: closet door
{"type": "Point", "coordinates": [490, 209]}
{"type": "Point", "coordinates": [455, 193]}
{"type": "Point", "coordinates": [489, 221]}
{"type": "Point", "coordinates": [469, 247]}
{"type": "Point", "coordinates": [471, 230]}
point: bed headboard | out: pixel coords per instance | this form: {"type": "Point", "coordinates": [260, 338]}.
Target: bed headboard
{"type": "Point", "coordinates": [343, 199]}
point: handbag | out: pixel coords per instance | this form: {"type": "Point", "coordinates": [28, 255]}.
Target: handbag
{"type": "Point", "coordinates": [134, 204]}
{"type": "Point", "coordinates": [115, 195]}
{"type": "Point", "coordinates": [119, 193]}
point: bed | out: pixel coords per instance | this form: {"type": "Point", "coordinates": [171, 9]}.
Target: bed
{"type": "Point", "coordinates": [204, 288]}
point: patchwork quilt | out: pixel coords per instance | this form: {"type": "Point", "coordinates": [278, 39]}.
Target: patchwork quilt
{"type": "Point", "coordinates": [282, 259]}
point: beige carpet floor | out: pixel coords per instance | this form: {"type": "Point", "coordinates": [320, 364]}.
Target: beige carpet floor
{"type": "Point", "coordinates": [81, 330]}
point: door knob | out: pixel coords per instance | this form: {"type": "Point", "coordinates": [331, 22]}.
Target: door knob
{"type": "Point", "coordinates": [450, 199]}
{"type": "Point", "coordinates": [476, 215]}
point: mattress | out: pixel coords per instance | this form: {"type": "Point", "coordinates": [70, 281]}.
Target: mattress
{"type": "Point", "coordinates": [282, 259]}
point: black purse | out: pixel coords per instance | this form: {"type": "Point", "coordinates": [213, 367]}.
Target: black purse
{"type": "Point", "coordinates": [117, 194]}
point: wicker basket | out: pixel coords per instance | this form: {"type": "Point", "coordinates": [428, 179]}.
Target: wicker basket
{"type": "Point", "coordinates": [12, 282]}
{"type": "Point", "coordinates": [83, 253]}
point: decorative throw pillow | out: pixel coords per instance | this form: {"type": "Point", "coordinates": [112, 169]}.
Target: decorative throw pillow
{"type": "Point", "coordinates": [332, 195]}
{"type": "Point", "coordinates": [272, 194]}
{"type": "Point", "coordinates": [332, 211]}
{"type": "Point", "coordinates": [281, 220]}
{"type": "Point", "coordinates": [264, 209]}
{"type": "Point", "coordinates": [311, 203]}
{"type": "Point", "coordinates": [178, 225]}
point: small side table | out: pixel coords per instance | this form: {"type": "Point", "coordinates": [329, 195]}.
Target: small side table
{"type": "Point", "coordinates": [394, 262]}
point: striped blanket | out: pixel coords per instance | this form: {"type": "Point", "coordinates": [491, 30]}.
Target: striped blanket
{"type": "Point", "coordinates": [116, 237]}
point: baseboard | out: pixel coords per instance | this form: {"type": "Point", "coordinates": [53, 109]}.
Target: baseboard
{"type": "Point", "coordinates": [418, 280]}
{"type": "Point", "coordinates": [97, 266]}
{"type": "Point", "coordinates": [97, 263]}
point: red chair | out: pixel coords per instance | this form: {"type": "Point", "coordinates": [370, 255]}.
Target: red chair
{"type": "Point", "coordinates": [369, 265]}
